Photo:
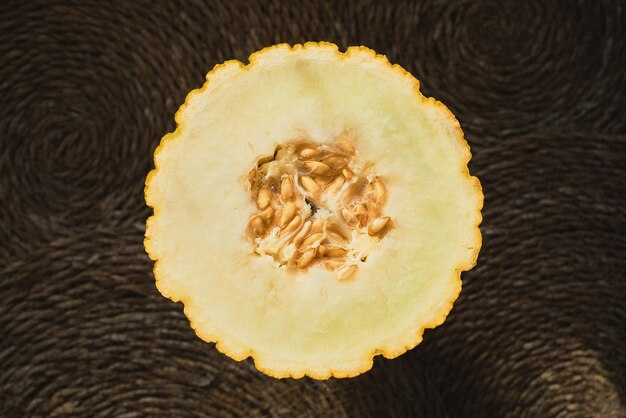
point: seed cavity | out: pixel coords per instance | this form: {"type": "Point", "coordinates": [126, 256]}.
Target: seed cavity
{"type": "Point", "coordinates": [313, 200]}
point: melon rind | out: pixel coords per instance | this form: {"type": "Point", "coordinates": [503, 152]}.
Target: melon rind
{"type": "Point", "coordinates": [310, 323]}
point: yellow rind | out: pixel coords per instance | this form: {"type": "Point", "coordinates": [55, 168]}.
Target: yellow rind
{"type": "Point", "coordinates": [405, 342]}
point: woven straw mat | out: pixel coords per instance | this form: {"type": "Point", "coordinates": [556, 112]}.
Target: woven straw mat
{"type": "Point", "coordinates": [87, 90]}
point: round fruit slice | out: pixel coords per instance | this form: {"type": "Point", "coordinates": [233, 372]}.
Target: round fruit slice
{"type": "Point", "coordinates": [312, 210]}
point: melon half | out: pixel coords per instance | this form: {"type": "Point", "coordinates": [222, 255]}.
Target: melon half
{"type": "Point", "coordinates": [312, 210]}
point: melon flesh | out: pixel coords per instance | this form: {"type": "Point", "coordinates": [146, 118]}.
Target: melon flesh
{"type": "Point", "coordinates": [308, 322]}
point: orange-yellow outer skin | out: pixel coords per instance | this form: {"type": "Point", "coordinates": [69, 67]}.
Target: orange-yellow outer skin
{"type": "Point", "coordinates": [416, 336]}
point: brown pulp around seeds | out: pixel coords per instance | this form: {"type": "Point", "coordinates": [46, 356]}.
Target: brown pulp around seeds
{"type": "Point", "coordinates": [314, 202]}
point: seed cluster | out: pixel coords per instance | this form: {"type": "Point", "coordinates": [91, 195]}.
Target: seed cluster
{"type": "Point", "coordinates": [312, 201]}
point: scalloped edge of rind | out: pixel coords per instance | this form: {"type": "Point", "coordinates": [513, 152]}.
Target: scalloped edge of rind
{"type": "Point", "coordinates": [406, 341]}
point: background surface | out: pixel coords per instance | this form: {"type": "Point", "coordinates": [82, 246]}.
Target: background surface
{"type": "Point", "coordinates": [88, 88]}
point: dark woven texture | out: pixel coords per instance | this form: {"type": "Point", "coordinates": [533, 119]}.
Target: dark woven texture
{"type": "Point", "coordinates": [88, 88]}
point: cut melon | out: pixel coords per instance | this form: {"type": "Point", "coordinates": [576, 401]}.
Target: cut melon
{"type": "Point", "coordinates": [312, 210]}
